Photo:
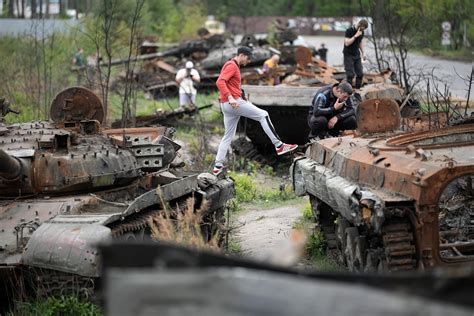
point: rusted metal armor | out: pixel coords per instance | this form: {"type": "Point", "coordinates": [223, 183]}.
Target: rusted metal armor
{"type": "Point", "coordinates": [392, 201]}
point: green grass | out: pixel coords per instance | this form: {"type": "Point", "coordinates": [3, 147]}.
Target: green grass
{"type": "Point", "coordinates": [234, 247]}
{"type": "Point", "coordinates": [315, 247]}
{"type": "Point", "coordinates": [245, 187]}
{"type": "Point", "coordinates": [57, 306]}
{"type": "Point", "coordinates": [248, 191]}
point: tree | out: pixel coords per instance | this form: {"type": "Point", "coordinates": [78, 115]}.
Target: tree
{"type": "Point", "coordinates": [129, 94]}
{"type": "Point", "coordinates": [34, 6]}
{"type": "Point", "coordinates": [62, 8]}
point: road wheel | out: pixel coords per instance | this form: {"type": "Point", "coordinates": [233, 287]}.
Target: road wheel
{"type": "Point", "coordinates": [360, 254]}
{"type": "Point", "coordinates": [342, 225]}
{"type": "Point", "coordinates": [382, 266]}
{"type": "Point", "coordinates": [370, 262]}
{"type": "Point", "coordinates": [352, 233]}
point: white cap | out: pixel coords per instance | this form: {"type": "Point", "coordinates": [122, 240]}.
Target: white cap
{"type": "Point", "coordinates": [189, 64]}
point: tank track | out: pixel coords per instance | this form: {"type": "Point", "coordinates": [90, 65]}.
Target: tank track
{"type": "Point", "coordinates": [244, 147]}
{"type": "Point", "coordinates": [47, 282]}
{"type": "Point", "coordinates": [399, 245]}
{"type": "Point", "coordinates": [133, 223]}
{"type": "Point", "coordinates": [364, 251]}
{"type": "Point", "coordinates": [392, 251]}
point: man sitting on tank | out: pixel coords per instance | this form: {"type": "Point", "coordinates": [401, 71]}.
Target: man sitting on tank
{"type": "Point", "coordinates": [332, 111]}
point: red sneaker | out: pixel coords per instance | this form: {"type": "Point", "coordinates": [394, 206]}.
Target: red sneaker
{"type": "Point", "coordinates": [286, 148]}
{"type": "Point", "coordinates": [217, 170]}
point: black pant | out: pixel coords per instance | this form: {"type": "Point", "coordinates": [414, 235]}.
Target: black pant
{"type": "Point", "coordinates": [353, 66]}
{"type": "Point", "coordinates": [319, 126]}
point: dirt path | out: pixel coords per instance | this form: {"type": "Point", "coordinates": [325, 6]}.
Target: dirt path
{"type": "Point", "coordinates": [263, 233]}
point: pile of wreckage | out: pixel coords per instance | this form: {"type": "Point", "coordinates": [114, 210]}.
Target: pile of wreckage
{"type": "Point", "coordinates": [298, 65]}
{"type": "Point", "coordinates": [300, 71]}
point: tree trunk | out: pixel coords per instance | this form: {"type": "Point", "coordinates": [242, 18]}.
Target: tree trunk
{"type": "Point", "coordinates": [34, 5]}
{"type": "Point", "coordinates": [8, 6]}
{"type": "Point", "coordinates": [76, 7]}
{"type": "Point", "coordinates": [17, 7]}
{"type": "Point", "coordinates": [23, 8]}
{"type": "Point", "coordinates": [61, 8]}
{"type": "Point", "coordinates": [47, 9]}
{"type": "Point", "coordinates": [40, 9]}
{"type": "Point", "coordinates": [11, 8]}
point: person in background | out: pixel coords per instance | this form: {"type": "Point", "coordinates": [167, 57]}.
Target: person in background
{"type": "Point", "coordinates": [332, 111]}
{"type": "Point", "coordinates": [354, 52]}
{"type": "Point", "coordinates": [78, 65]}
{"type": "Point", "coordinates": [270, 70]}
{"type": "Point", "coordinates": [186, 78]}
{"type": "Point", "coordinates": [234, 105]}
{"type": "Point", "coordinates": [78, 59]}
{"type": "Point", "coordinates": [323, 52]}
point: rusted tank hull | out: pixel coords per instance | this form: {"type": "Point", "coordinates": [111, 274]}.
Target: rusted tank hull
{"type": "Point", "coordinates": [404, 202]}
{"type": "Point", "coordinates": [67, 186]}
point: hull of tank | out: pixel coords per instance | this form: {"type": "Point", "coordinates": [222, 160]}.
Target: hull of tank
{"type": "Point", "coordinates": [399, 202]}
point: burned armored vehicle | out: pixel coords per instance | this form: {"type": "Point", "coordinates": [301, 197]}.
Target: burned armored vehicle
{"type": "Point", "coordinates": [388, 201]}
{"type": "Point", "coordinates": [288, 108]}
{"type": "Point", "coordinates": [67, 185]}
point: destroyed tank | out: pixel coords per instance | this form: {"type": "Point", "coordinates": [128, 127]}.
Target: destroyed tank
{"type": "Point", "coordinates": [389, 201]}
{"type": "Point", "coordinates": [288, 108]}
{"type": "Point", "coordinates": [68, 185]}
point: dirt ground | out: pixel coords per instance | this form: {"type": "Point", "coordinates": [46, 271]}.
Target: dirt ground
{"type": "Point", "coordinates": [264, 234]}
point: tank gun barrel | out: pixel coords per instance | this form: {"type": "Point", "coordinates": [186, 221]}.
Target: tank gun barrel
{"type": "Point", "coordinates": [10, 167]}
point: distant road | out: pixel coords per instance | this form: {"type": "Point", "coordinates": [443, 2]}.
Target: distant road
{"type": "Point", "coordinates": [444, 69]}
{"type": "Point", "coordinates": [35, 27]}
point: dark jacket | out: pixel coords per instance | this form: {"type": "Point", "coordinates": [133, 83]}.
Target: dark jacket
{"type": "Point", "coordinates": [323, 104]}
{"type": "Point", "coordinates": [354, 48]}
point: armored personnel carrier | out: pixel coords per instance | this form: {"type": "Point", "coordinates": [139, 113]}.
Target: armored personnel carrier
{"type": "Point", "coordinates": [388, 201]}
{"type": "Point", "coordinates": [67, 185]}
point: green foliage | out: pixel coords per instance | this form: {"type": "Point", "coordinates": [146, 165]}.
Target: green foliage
{"type": "Point", "coordinates": [34, 68]}
{"type": "Point", "coordinates": [316, 245]}
{"type": "Point", "coordinates": [247, 190]}
{"type": "Point", "coordinates": [307, 212]}
{"type": "Point", "coordinates": [283, 194]}
{"type": "Point", "coordinates": [234, 247]}
{"type": "Point", "coordinates": [235, 206]}
{"type": "Point", "coordinates": [175, 21]}
{"type": "Point", "coordinates": [57, 306]}
{"type": "Point", "coordinates": [245, 187]}
{"type": "Point", "coordinates": [269, 170]}
{"type": "Point", "coordinates": [420, 21]}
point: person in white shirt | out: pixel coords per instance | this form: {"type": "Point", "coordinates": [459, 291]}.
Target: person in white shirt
{"type": "Point", "coordinates": [186, 78]}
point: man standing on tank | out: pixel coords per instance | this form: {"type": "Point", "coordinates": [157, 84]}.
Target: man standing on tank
{"type": "Point", "coordinates": [234, 105]}
{"type": "Point", "coordinates": [354, 52]}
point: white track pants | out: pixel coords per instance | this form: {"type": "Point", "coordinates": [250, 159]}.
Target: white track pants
{"type": "Point", "coordinates": [231, 119]}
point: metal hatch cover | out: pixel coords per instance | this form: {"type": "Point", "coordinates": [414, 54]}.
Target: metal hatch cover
{"type": "Point", "coordinates": [378, 115]}
{"type": "Point", "coordinates": [76, 104]}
